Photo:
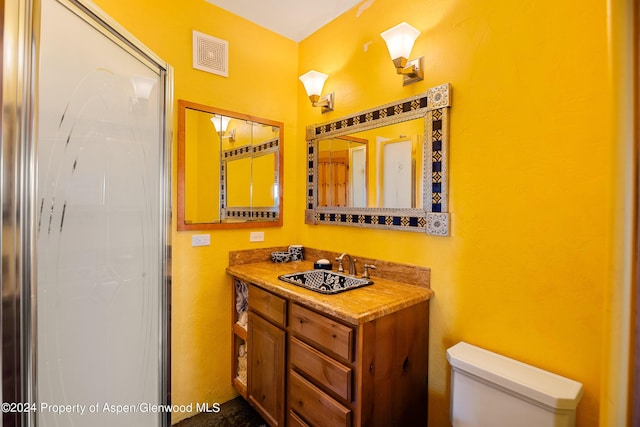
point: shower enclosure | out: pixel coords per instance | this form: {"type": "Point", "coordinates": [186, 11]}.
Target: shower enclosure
{"type": "Point", "coordinates": [85, 220]}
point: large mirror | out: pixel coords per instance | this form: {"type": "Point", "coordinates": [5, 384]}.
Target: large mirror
{"type": "Point", "coordinates": [383, 168]}
{"type": "Point", "coordinates": [229, 169]}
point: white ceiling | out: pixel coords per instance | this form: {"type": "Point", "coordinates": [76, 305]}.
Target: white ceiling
{"type": "Point", "coordinates": [294, 19]}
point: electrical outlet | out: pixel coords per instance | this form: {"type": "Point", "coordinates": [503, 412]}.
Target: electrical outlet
{"type": "Point", "coordinates": [201, 240]}
{"type": "Point", "coordinates": [256, 236]}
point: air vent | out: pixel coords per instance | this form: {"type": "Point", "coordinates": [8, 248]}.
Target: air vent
{"type": "Point", "coordinates": [210, 54]}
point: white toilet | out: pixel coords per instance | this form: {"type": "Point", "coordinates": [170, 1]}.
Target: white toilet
{"type": "Point", "coordinates": [490, 390]}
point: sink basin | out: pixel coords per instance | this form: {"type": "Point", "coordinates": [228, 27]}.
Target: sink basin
{"type": "Point", "coordinates": [324, 281]}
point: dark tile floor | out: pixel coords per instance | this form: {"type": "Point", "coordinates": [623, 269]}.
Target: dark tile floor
{"type": "Point", "coordinates": [234, 413]}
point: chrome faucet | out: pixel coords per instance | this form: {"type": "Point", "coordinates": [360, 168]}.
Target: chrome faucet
{"type": "Point", "coordinates": [352, 264]}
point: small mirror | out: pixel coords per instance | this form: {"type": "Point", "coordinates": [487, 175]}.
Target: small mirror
{"type": "Point", "coordinates": [383, 168]}
{"type": "Point", "coordinates": [229, 169]}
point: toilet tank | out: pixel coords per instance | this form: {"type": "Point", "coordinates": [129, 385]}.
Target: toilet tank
{"type": "Point", "coordinates": [490, 390]}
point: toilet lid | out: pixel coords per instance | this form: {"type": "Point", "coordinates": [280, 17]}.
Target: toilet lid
{"type": "Point", "coordinates": [545, 387]}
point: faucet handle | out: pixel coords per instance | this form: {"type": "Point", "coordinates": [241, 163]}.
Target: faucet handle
{"type": "Point", "coordinates": [340, 266]}
{"type": "Point", "coordinates": [365, 273]}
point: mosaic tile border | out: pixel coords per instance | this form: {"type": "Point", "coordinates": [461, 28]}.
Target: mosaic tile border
{"type": "Point", "coordinates": [435, 164]}
{"type": "Point", "coordinates": [249, 150]}
{"type": "Point", "coordinates": [433, 219]}
{"type": "Point", "coordinates": [240, 152]}
{"type": "Point", "coordinates": [266, 214]}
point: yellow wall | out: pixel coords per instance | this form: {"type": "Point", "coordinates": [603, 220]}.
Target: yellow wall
{"type": "Point", "coordinates": [527, 263]}
{"type": "Point", "coordinates": [202, 168]}
{"type": "Point", "coordinates": [201, 301]}
{"type": "Point", "coordinates": [527, 266]}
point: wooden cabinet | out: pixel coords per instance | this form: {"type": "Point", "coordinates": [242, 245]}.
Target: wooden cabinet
{"type": "Point", "coordinates": [370, 374]}
{"type": "Point", "coordinates": [308, 368]}
{"type": "Point", "coordinates": [266, 356]}
{"type": "Point", "coordinates": [266, 369]}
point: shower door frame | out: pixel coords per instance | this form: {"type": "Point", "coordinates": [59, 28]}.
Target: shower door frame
{"type": "Point", "coordinates": [18, 162]}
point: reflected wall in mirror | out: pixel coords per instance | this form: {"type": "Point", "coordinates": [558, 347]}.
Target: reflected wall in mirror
{"type": "Point", "coordinates": [383, 168]}
{"type": "Point", "coordinates": [229, 169]}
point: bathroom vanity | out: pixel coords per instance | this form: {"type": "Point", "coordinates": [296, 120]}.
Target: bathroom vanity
{"type": "Point", "coordinates": [356, 358]}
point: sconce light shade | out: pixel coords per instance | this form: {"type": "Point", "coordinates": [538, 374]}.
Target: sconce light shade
{"type": "Point", "coordinates": [313, 82]}
{"type": "Point", "coordinates": [221, 123]}
{"type": "Point", "coordinates": [400, 40]}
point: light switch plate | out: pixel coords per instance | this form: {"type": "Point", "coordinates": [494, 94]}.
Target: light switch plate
{"type": "Point", "coordinates": [201, 240]}
{"type": "Point", "coordinates": [256, 236]}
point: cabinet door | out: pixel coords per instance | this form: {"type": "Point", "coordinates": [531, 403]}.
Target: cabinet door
{"type": "Point", "coordinates": [266, 347]}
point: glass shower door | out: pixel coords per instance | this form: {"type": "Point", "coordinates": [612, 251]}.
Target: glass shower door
{"type": "Point", "coordinates": [101, 225]}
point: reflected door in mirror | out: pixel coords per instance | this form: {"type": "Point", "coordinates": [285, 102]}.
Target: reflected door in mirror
{"type": "Point", "coordinates": [342, 172]}
{"type": "Point", "coordinates": [399, 185]}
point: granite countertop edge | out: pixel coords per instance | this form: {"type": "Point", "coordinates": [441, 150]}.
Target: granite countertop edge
{"type": "Point", "coordinates": [355, 306]}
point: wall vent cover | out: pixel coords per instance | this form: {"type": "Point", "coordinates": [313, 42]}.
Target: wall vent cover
{"type": "Point", "coordinates": [210, 54]}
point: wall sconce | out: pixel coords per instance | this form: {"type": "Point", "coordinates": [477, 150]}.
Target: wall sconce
{"type": "Point", "coordinates": [400, 41]}
{"type": "Point", "coordinates": [221, 123]}
{"type": "Point", "coordinates": [313, 82]}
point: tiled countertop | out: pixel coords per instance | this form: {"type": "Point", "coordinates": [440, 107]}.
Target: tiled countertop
{"type": "Point", "coordinates": [354, 306]}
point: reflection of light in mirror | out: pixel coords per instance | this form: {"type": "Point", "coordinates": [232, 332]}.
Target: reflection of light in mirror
{"type": "Point", "coordinates": [221, 123]}
{"type": "Point", "coordinates": [228, 170]}
{"type": "Point", "coordinates": [142, 86]}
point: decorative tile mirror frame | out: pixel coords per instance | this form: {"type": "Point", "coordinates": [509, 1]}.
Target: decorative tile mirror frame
{"type": "Point", "coordinates": [433, 218]}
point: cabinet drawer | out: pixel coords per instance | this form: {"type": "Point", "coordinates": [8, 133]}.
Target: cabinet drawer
{"type": "Point", "coordinates": [296, 421]}
{"type": "Point", "coordinates": [323, 369]}
{"type": "Point", "coordinates": [335, 337]}
{"type": "Point", "coordinates": [268, 305]}
{"type": "Point", "coordinates": [314, 405]}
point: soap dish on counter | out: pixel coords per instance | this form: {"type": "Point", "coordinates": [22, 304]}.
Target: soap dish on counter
{"type": "Point", "coordinates": [322, 264]}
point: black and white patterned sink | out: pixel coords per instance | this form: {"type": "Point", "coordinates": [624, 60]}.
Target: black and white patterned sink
{"type": "Point", "coordinates": [324, 281]}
